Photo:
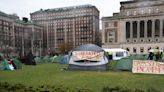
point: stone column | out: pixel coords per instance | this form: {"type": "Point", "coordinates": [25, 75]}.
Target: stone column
{"type": "Point", "coordinates": [138, 29]}
{"type": "Point", "coordinates": [161, 28]}
{"type": "Point", "coordinates": [153, 28]}
{"type": "Point", "coordinates": [145, 29]}
{"type": "Point", "coordinates": [131, 29]}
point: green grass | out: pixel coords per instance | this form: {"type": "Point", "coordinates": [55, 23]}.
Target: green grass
{"type": "Point", "coordinates": [53, 74]}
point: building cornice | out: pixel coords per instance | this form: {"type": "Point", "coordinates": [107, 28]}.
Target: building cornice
{"type": "Point", "coordinates": [134, 1]}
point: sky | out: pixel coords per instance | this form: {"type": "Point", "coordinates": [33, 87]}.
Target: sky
{"type": "Point", "coordinates": [23, 8]}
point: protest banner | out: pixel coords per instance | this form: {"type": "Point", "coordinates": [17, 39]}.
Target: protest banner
{"type": "Point", "coordinates": [147, 66]}
{"type": "Point", "coordinates": [87, 55]}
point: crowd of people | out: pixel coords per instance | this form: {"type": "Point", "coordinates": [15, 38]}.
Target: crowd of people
{"type": "Point", "coordinates": [156, 55]}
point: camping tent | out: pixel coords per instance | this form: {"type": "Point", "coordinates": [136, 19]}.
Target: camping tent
{"type": "Point", "coordinates": [5, 66]}
{"type": "Point", "coordinates": [88, 57]}
{"type": "Point", "coordinates": [64, 59]}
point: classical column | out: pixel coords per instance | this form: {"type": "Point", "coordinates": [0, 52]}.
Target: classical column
{"type": "Point", "coordinates": [145, 29]}
{"type": "Point", "coordinates": [153, 28]}
{"type": "Point", "coordinates": [131, 29]}
{"type": "Point", "coordinates": [138, 29]}
{"type": "Point", "coordinates": [161, 28]}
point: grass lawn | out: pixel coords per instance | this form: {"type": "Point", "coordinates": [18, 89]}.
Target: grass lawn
{"type": "Point", "coordinates": [53, 74]}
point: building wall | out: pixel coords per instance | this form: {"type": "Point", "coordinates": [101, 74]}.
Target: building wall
{"type": "Point", "coordinates": [19, 35]}
{"type": "Point", "coordinates": [141, 26]}
{"type": "Point", "coordinates": [74, 25]}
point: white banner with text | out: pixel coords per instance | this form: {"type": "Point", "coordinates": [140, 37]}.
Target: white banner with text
{"type": "Point", "coordinates": [87, 55]}
{"type": "Point", "coordinates": [147, 66]}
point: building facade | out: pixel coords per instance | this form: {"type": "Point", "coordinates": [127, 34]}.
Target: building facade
{"type": "Point", "coordinates": [22, 36]}
{"type": "Point", "coordinates": [138, 26]}
{"type": "Point", "coordinates": [74, 25]}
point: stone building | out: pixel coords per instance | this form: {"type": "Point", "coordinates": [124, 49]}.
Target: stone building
{"type": "Point", "coordinates": [21, 35]}
{"type": "Point", "coordinates": [138, 26]}
{"type": "Point", "coordinates": [75, 25]}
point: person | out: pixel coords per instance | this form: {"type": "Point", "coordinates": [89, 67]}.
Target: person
{"type": "Point", "coordinates": [30, 59]}
{"type": "Point", "coordinates": [150, 57]}
{"type": "Point", "coordinates": [157, 55]}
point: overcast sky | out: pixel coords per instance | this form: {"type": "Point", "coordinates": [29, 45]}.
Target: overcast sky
{"type": "Point", "coordinates": [24, 7]}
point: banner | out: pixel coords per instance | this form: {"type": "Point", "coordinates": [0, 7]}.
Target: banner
{"type": "Point", "coordinates": [87, 55]}
{"type": "Point", "coordinates": [148, 66]}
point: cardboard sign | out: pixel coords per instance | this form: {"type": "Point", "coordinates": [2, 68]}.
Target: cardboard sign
{"type": "Point", "coordinates": [87, 55]}
{"type": "Point", "coordinates": [148, 66]}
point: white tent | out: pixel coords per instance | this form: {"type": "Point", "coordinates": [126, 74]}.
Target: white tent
{"type": "Point", "coordinates": [88, 57]}
{"type": "Point", "coordinates": [117, 53]}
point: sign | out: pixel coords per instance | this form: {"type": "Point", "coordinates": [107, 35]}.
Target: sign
{"type": "Point", "coordinates": [148, 66]}
{"type": "Point", "coordinates": [87, 55]}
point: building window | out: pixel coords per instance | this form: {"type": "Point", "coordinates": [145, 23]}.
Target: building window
{"type": "Point", "coordinates": [157, 28]}
{"type": "Point", "coordinates": [135, 29]}
{"type": "Point", "coordinates": [127, 49]}
{"type": "Point", "coordinates": [142, 49]}
{"type": "Point", "coordinates": [142, 28]}
{"type": "Point", "coordinates": [134, 50]}
{"type": "Point", "coordinates": [134, 41]}
{"type": "Point", "coordinates": [127, 30]}
{"type": "Point", "coordinates": [149, 28]}
{"type": "Point", "coordinates": [141, 40]}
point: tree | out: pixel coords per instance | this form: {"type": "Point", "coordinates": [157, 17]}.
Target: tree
{"type": "Point", "coordinates": [65, 48]}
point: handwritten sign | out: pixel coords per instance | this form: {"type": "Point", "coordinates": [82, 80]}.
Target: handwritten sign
{"type": "Point", "coordinates": [148, 66]}
{"type": "Point", "coordinates": [87, 55]}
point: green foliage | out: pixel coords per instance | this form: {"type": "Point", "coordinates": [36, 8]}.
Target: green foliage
{"type": "Point", "coordinates": [65, 48]}
{"type": "Point", "coordinates": [6, 87]}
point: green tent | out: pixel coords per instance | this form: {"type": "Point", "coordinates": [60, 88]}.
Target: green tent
{"type": "Point", "coordinates": [2, 65]}
{"type": "Point", "coordinates": [17, 63]}
{"type": "Point", "coordinates": [5, 66]}
{"type": "Point", "coordinates": [124, 64]}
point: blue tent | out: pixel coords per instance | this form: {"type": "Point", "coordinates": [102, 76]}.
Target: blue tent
{"type": "Point", "coordinates": [64, 59]}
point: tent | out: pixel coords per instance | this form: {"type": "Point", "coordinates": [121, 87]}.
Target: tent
{"type": "Point", "coordinates": [88, 57]}
{"type": "Point", "coordinates": [64, 59]}
{"type": "Point", "coordinates": [5, 66]}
